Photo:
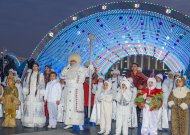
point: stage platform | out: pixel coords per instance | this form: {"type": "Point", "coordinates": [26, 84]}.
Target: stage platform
{"type": "Point", "coordinates": [89, 130]}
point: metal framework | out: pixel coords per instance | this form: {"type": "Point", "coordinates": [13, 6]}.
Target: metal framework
{"type": "Point", "coordinates": [121, 29]}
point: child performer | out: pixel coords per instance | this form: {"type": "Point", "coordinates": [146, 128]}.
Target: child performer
{"type": "Point", "coordinates": [11, 103]}
{"type": "Point", "coordinates": [97, 88]}
{"type": "Point", "coordinates": [53, 97]}
{"type": "Point", "coordinates": [133, 111]}
{"type": "Point", "coordinates": [106, 98]}
{"type": "Point", "coordinates": [162, 113]}
{"type": "Point", "coordinates": [60, 115]}
{"type": "Point", "coordinates": [179, 100]}
{"type": "Point", "coordinates": [123, 98]}
{"type": "Point", "coordinates": [18, 85]}
{"type": "Point", "coordinates": [150, 99]}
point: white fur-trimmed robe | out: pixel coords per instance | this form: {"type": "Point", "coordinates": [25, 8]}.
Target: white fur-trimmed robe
{"type": "Point", "coordinates": [133, 111]}
{"type": "Point", "coordinates": [169, 83]}
{"type": "Point", "coordinates": [60, 115]}
{"type": "Point", "coordinates": [74, 94]}
{"type": "Point", "coordinates": [33, 114]}
{"type": "Point", "coordinates": [162, 113]}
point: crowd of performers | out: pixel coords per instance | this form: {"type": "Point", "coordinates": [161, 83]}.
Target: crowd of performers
{"type": "Point", "coordinates": [128, 100]}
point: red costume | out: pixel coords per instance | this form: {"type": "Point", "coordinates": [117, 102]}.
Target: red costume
{"type": "Point", "coordinates": [155, 96]}
{"type": "Point", "coordinates": [86, 94]}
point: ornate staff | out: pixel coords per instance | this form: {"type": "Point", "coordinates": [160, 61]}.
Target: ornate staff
{"type": "Point", "coordinates": [91, 38]}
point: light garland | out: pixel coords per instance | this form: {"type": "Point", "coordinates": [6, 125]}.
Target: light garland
{"type": "Point", "coordinates": [73, 37]}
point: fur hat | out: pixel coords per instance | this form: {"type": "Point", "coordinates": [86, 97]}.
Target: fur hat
{"type": "Point", "coordinates": [115, 72]}
{"type": "Point", "coordinates": [126, 82]}
{"type": "Point", "coordinates": [176, 73]}
{"type": "Point", "coordinates": [109, 84]}
{"type": "Point", "coordinates": [171, 73]}
{"type": "Point", "coordinates": [11, 70]}
{"type": "Point", "coordinates": [74, 57]}
{"type": "Point", "coordinates": [154, 83]}
{"type": "Point", "coordinates": [181, 78]}
{"type": "Point", "coordinates": [160, 76]}
{"type": "Point", "coordinates": [101, 77]}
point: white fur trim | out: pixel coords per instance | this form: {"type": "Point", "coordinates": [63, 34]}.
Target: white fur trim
{"type": "Point", "coordinates": [180, 92]}
{"type": "Point", "coordinates": [171, 73]}
{"type": "Point", "coordinates": [11, 70]}
{"type": "Point", "coordinates": [154, 83]}
{"type": "Point", "coordinates": [109, 84]}
{"type": "Point", "coordinates": [42, 92]}
{"type": "Point", "coordinates": [184, 106]}
{"type": "Point", "coordinates": [176, 73]}
{"type": "Point", "coordinates": [101, 77]}
{"type": "Point", "coordinates": [75, 57]}
{"type": "Point", "coordinates": [25, 91]}
{"type": "Point", "coordinates": [115, 72]}
{"type": "Point", "coordinates": [160, 76]}
{"type": "Point", "coordinates": [171, 103]}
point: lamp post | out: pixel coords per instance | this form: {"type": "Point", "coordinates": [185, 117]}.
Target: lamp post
{"type": "Point", "coordinates": [91, 38]}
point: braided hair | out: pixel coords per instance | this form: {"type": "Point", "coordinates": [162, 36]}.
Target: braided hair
{"type": "Point", "coordinates": [37, 81]}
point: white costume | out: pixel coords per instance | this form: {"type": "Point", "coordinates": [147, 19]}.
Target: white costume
{"type": "Point", "coordinates": [169, 83]}
{"type": "Point", "coordinates": [133, 111]}
{"type": "Point", "coordinates": [123, 98]}
{"type": "Point", "coordinates": [1, 105]}
{"type": "Point", "coordinates": [115, 85]}
{"type": "Point", "coordinates": [60, 115]}
{"type": "Point", "coordinates": [19, 112]}
{"type": "Point", "coordinates": [52, 95]}
{"type": "Point", "coordinates": [33, 114]}
{"type": "Point", "coordinates": [106, 98]}
{"type": "Point", "coordinates": [150, 118]}
{"type": "Point", "coordinates": [74, 93]}
{"type": "Point", "coordinates": [162, 113]}
{"type": "Point", "coordinates": [95, 116]}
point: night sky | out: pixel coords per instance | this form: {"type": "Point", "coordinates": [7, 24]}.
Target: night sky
{"type": "Point", "coordinates": [23, 23]}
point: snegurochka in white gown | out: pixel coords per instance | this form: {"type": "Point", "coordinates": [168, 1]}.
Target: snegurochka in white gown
{"type": "Point", "coordinates": [74, 76]}
{"type": "Point", "coordinates": [33, 114]}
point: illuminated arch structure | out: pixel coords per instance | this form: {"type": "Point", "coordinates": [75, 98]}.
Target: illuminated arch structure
{"type": "Point", "coordinates": [121, 29]}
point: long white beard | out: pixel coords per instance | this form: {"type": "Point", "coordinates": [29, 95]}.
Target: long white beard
{"type": "Point", "coordinates": [72, 72]}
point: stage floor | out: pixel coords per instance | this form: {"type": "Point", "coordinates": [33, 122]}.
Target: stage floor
{"type": "Point", "coordinates": [89, 130]}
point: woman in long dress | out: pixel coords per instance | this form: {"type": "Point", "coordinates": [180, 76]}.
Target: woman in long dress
{"type": "Point", "coordinates": [33, 115]}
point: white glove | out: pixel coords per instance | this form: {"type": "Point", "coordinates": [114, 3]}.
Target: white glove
{"type": "Point", "coordinates": [146, 106]}
{"type": "Point", "coordinates": [144, 96]}
{"type": "Point", "coordinates": [91, 67]}
{"type": "Point", "coordinates": [68, 66]}
{"type": "Point", "coordinates": [171, 103]}
{"type": "Point", "coordinates": [184, 106]}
